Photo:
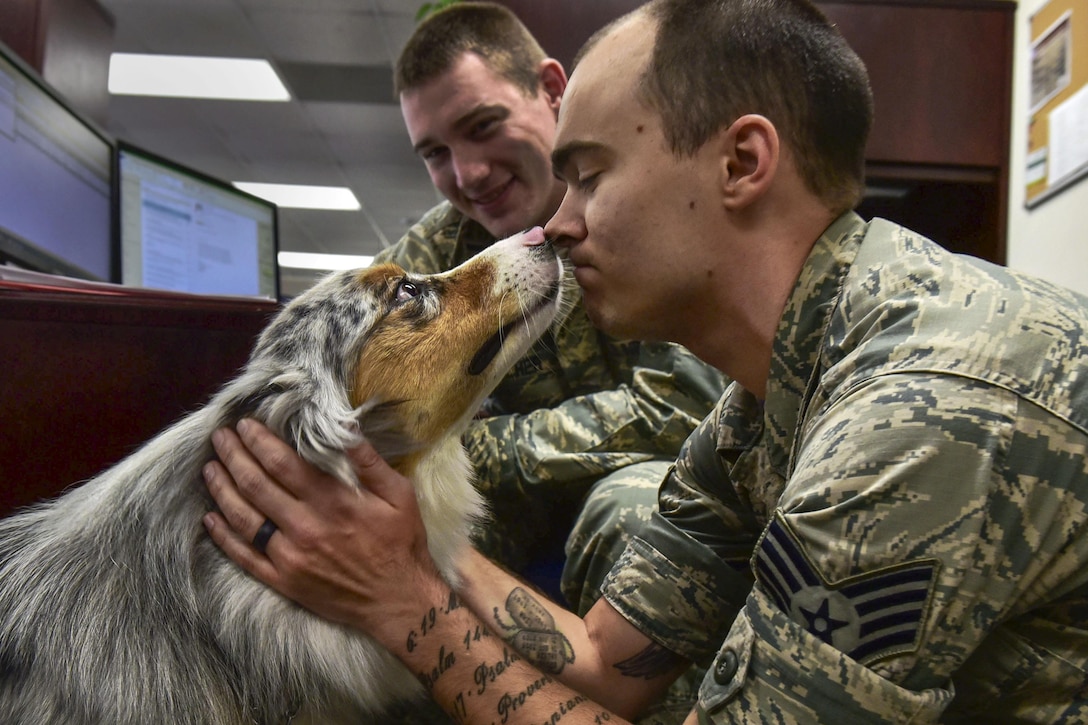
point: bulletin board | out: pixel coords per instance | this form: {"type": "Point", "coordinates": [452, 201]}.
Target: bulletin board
{"type": "Point", "coordinates": [1058, 113]}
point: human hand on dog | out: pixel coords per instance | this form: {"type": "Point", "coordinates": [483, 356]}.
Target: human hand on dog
{"type": "Point", "coordinates": [345, 554]}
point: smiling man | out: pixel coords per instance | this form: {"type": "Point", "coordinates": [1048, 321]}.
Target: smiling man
{"type": "Point", "coordinates": [583, 411]}
{"type": "Point", "coordinates": [486, 141]}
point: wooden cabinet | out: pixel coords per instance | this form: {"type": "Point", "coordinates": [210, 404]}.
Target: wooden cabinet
{"type": "Point", "coordinates": [941, 76]}
{"type": "Point", "coordinates": [86, 378]}
{"type": "Point", "coordinates": [68, 42]}
{"type": "Point", "coordinates": [938, 156]}
{"type": "Point", "coordinates": [941, 72]}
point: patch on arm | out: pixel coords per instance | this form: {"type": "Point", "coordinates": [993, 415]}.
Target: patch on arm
{"type": "Point", "coordinates": [868, 616]}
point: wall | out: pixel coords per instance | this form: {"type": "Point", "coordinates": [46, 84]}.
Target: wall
{"type": "Point", "coordinates": [1049, 240]}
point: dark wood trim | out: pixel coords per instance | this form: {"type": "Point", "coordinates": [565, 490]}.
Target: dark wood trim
{"type": "Point", "coordinates": [89, 377]}
{"type": "Point", "coordinates": [949, 4]}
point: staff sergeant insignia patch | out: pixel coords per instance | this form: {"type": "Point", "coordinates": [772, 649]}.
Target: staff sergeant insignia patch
{"type": "Point", "coordinates": [868, 616]}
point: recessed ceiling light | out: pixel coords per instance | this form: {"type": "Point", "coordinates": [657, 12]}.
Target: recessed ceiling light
{"type": "Point", "coordinates": [180, 76]}
{"type": "Point", "coordinates": [312, 260]}
{"type": "Point", "coordinates": [294, 196]}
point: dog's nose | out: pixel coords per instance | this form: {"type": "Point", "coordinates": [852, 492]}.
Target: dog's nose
{"type": "Point", "coordinates": [534, 236]}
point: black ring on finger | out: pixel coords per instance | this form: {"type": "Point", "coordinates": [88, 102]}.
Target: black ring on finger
{"type": "Point", "coordinates": [260, 540]}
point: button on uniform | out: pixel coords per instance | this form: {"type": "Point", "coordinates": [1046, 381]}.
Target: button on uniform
{"type": "Point", "coordinates": [725, 667]}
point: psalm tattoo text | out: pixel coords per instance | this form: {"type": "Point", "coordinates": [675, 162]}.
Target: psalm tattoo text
{"type": "Point", "coordinates": [531, 629]}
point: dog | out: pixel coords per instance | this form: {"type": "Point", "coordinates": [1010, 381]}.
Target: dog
{"type": "Point", "coordinates": [116, 606]}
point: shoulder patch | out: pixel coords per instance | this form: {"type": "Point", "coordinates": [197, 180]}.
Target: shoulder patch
{"type": "Point", "coordinates": [868, 616]}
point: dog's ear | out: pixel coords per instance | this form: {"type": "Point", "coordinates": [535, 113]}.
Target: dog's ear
{"type": "Point", "coordinates": [314, 418]}
{"type": "Point", "coordinates": [317, 419]}
{"type": "Point", "coordinates": [379, 422]}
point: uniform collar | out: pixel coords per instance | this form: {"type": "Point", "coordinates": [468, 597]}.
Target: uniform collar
{"type": "Point", "coordinates": [795, 356]}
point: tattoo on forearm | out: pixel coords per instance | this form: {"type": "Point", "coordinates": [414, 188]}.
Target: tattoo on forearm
{"type": "Point", "coordinates": [532, 632]}
{"type": "Point", "coordinates": [651, 662]}
{"type": "Point", "coordinates": [445, 660]}
{"type": "Point", "coordinates": [509, 704]}
{"type": "Point", "coordinates": [486, 674]}
{"type": "Point", "coordinates": [565, 708]}
{"type": "Point", "coordinates": [428, 621]}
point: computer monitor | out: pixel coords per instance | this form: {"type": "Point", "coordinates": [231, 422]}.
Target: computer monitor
{"type": "Point", "coordinates": [185, 231]}
{"type": "Point", "coordinates": [56, 209]}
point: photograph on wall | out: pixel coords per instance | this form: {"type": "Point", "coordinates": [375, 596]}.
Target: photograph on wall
{"type": "Point", "coordinates": [1057, 153]}
{"type": "Point", "coordinates": [1051, 70]}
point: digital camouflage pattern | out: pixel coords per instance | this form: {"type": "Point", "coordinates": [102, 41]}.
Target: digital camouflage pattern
{"type": "Point", "coordinates": [578, 407]}
{"type": "Point", "coordinates": [899, 532]}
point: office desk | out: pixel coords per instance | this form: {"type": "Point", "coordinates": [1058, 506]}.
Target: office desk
{"type": "Point", "coordinates": [85, 377]}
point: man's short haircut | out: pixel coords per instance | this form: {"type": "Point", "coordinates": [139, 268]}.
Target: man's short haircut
{"type": "Point", "coordinates": [491, 31]}
{"type": "Point", "coordinates": [717, 60]}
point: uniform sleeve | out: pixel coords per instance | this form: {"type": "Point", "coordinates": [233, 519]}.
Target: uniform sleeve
{"type": "Point", "coordinates": [683, 579]}
{"type": "Point", "coordinates": [587, 436]}
{"type": "Point", "coordinates": [925, 513]}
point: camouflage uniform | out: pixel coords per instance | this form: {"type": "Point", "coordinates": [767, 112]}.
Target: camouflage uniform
{"type": "Point", "coordinates": [899, 532]}
{"type": "Point", "coordinates": [577, 409]}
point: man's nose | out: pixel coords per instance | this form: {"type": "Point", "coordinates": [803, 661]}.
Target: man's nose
{"type": "Point", "coordinates": [471, 170]}
{"type": "Point", "coordinates": [567, 226]}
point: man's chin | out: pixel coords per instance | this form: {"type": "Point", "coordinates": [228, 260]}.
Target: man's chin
{"type": "Point", "coordinates": [615, 323]}
{"type": "Point", "coordinates": [506, 226]}
{"type": "Point", "coordinates": [505, 221]}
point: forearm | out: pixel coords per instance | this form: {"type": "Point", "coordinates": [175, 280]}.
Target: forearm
{"type": "Point", "coordinates": [474, 675]}
{"type": "Point", "coordinates": [586, 436]}
{"type": "Point", "coordinates": [602, 656]}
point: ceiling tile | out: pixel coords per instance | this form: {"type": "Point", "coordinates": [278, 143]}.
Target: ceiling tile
{"type": "Point", "coordinates": [338, 83]}
{"type": "Point", "coordinates": [337, 50]}
{"type": "Point", "coordinates": [313, 36]}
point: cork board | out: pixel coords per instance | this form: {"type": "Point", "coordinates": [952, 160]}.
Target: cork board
{"type": "Point", "coordinates": [1058, 99]}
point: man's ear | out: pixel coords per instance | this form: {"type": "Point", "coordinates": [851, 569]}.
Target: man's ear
{"type": "Point", "coordinates": [750, 156]}
{"type": "Point", "coordinates": [553, 81]}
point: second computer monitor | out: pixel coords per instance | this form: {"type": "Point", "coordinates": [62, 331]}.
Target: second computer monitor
{"type": "Point", "coordinates": [184, 231]}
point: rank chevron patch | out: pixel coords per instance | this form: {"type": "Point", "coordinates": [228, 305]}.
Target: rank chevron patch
{"type": "Point", "coordinates": [868, 616]}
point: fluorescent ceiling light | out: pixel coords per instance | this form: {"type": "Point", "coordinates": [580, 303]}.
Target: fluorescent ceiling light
{"type": "Point", "coordinates": [293, 196]}
{"type": "Point", "coordinates": [310, 260]}
{"type": "Point", "coordinates": [180, 76]}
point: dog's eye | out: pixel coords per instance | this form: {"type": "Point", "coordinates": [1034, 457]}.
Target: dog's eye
{"type": "Point", "coordinates": [407, 290]}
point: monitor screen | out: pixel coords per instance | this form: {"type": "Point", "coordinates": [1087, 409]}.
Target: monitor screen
{"type": "Point", "coordinates": [184, 231]}
{"type": "Point", "coordinates": [56, 211]}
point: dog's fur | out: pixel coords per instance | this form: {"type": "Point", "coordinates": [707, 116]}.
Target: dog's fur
{"type": "Point", "coordinates": [117, 608]}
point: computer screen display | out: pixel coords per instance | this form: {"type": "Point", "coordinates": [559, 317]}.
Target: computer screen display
{"type": "Point", "coordinates": [184, 231]}
{"type": "Point", "coordinates": [55, 180]}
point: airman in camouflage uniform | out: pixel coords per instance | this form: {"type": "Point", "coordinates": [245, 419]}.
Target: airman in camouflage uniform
{"type": "Point", "coordinates": [886, 517]}
{"type": "Point", "coordinates": [579, 409]}
{"type": "Point", "coordinates": [910, 501]}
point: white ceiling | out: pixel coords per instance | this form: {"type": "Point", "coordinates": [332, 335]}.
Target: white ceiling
{"type": "Point", "coordinates": [342, 127]}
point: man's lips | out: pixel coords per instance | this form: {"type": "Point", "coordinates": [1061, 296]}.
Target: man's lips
{"type": "Point", "coordinates": [576, 260]}
{"type": "Point", "coordinates": [491, 196]}
{"type": "Point", "coordinates": [583, 274]}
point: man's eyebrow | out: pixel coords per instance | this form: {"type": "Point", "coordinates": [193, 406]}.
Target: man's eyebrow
{"type": "Point", "coordinates": [422, 144]}
{"type": "Point", "coordinates": [466, 120]}
{"type": "Point", "coordinates": [561, 156]}
{"type": "Point", "coordinates": [497, 109]}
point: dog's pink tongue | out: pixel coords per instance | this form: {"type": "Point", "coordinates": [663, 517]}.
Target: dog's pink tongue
{"type": "Point", "coordinates": [534, 236]}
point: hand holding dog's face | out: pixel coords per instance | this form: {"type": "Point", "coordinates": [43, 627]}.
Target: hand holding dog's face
{"type": "Point", "coordinates": [342, 553]}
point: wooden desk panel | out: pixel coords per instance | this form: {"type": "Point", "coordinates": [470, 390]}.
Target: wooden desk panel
{"type": "Point", "coordinates": [86, 378]}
